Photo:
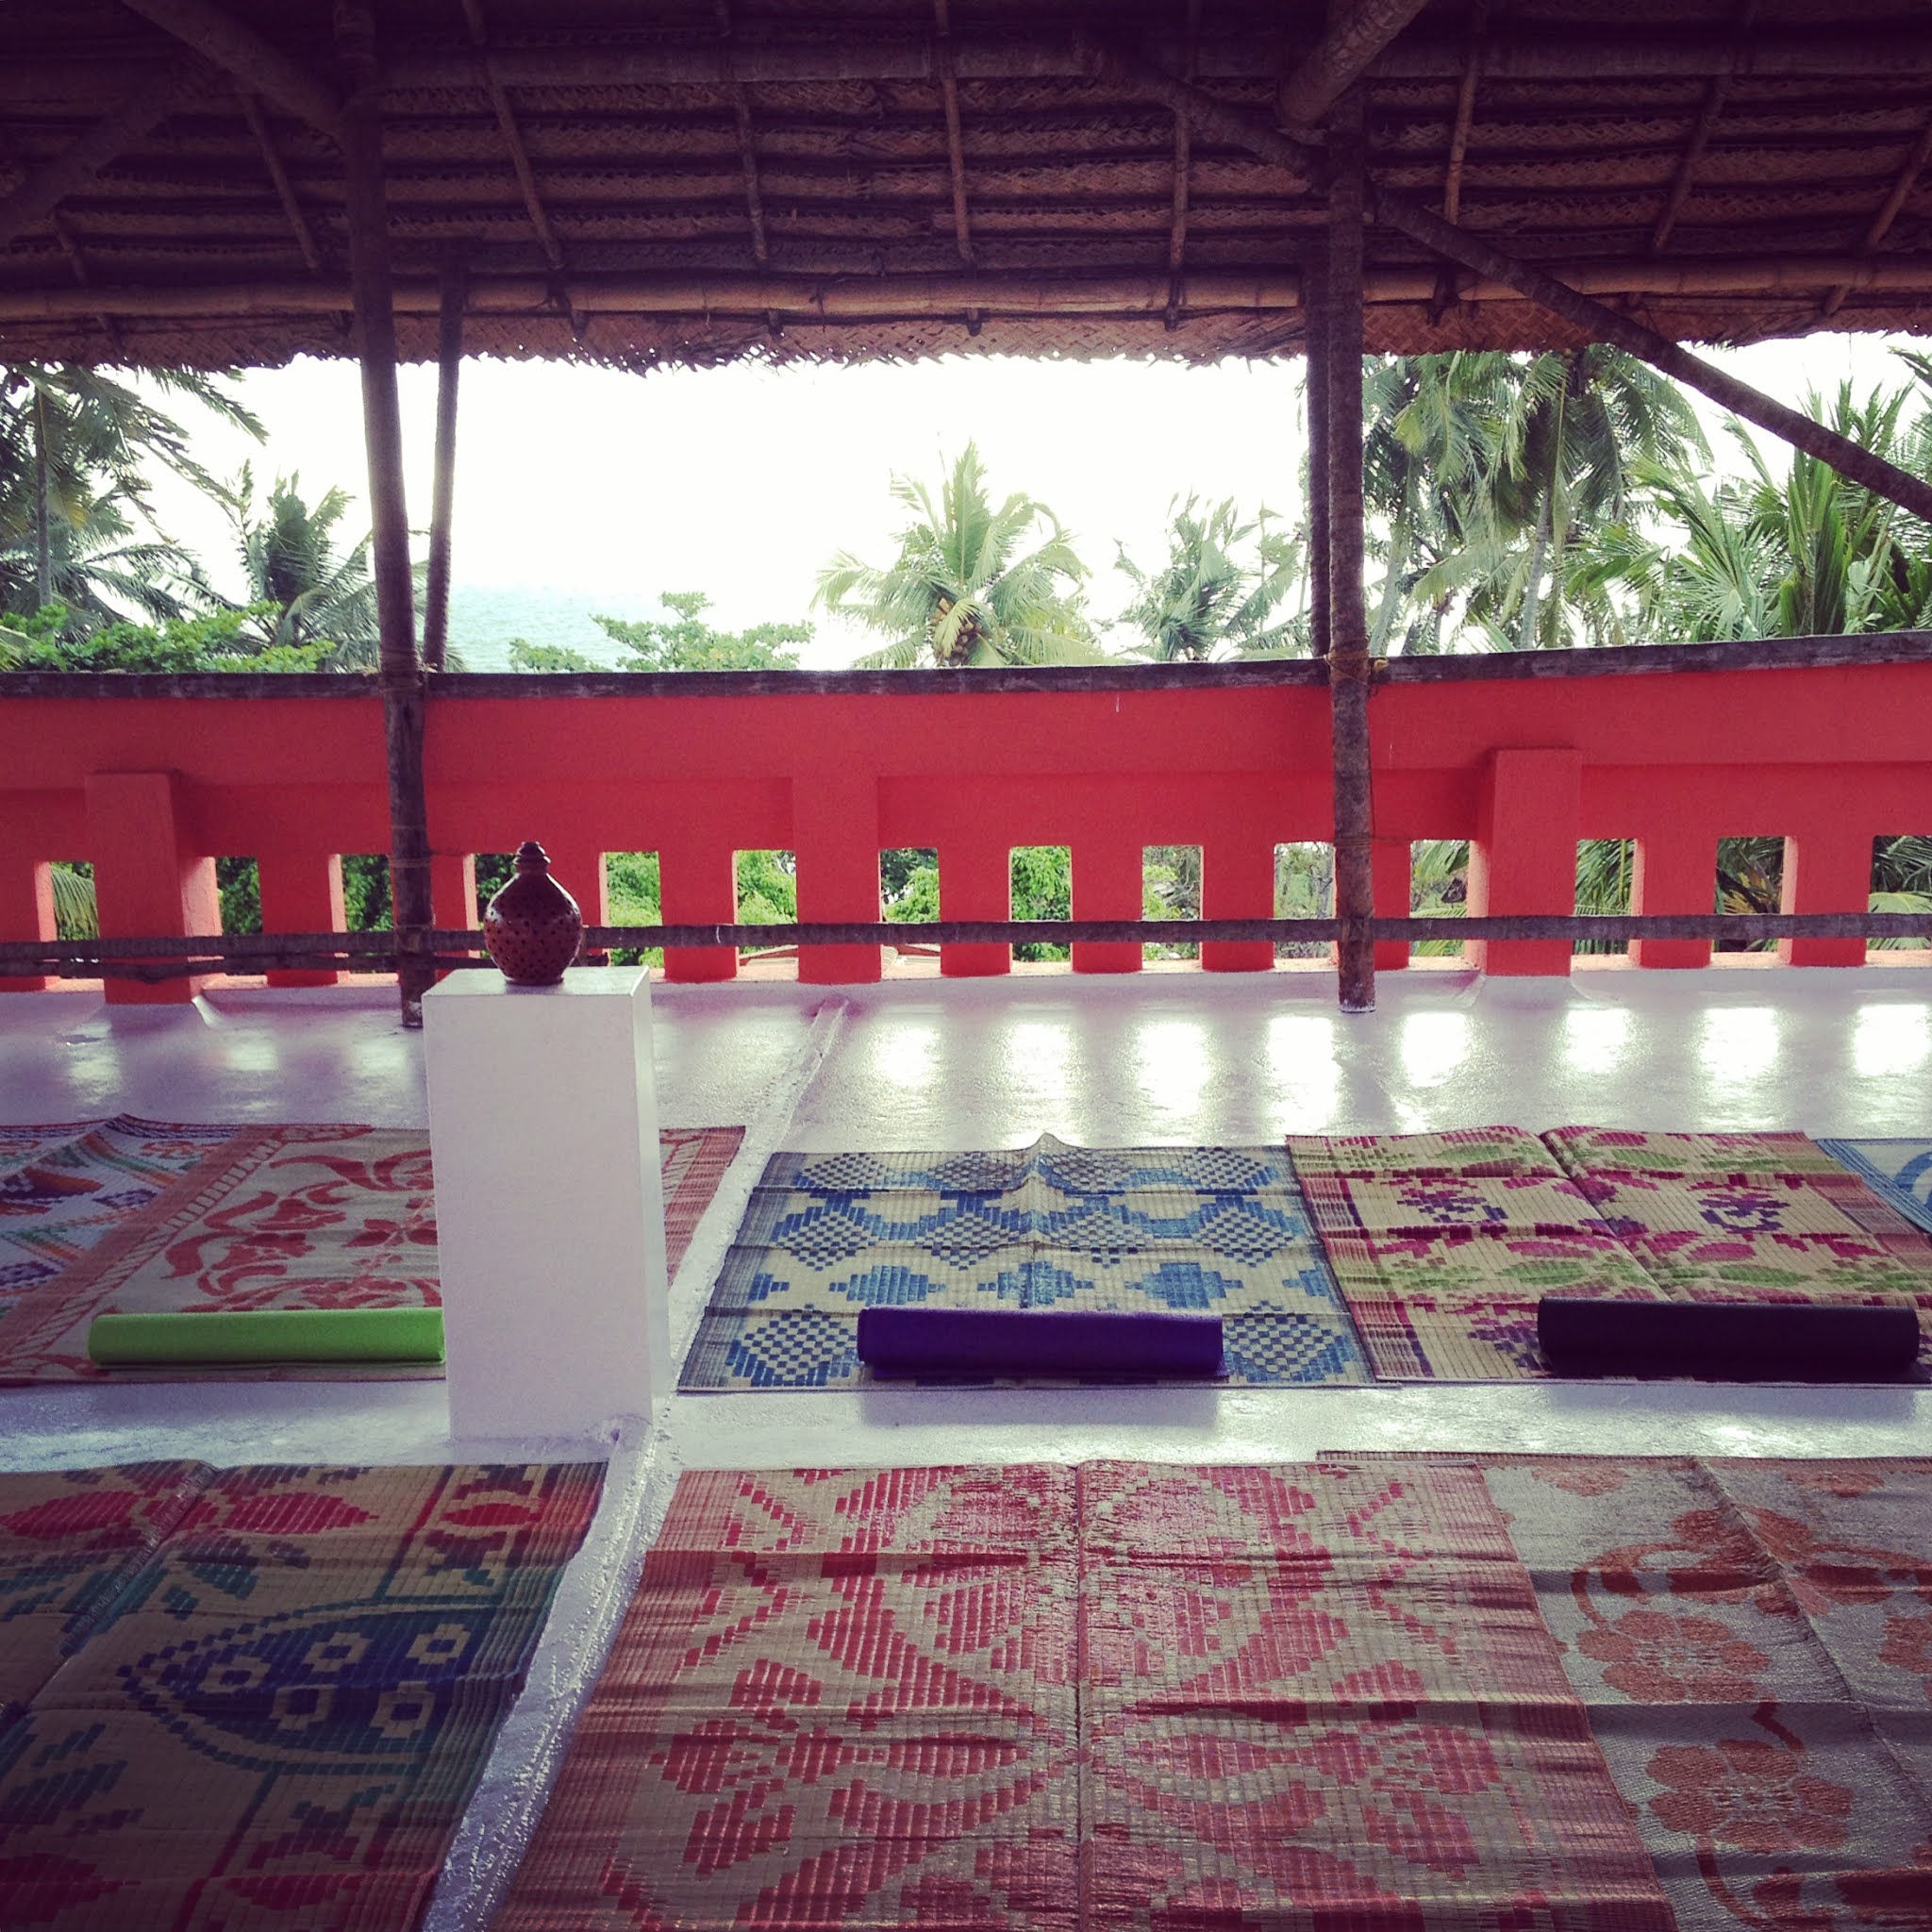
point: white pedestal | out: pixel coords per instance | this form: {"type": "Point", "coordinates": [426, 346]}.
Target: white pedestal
{"type": "Point", "coordinates": [549, 1200]}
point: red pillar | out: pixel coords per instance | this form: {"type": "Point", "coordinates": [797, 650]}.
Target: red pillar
{"type": "Point", "coordinates": [697, 885]}
{"type": "Point", "coordinates": [1826, 869]}
{"type": "Point", "coordinates": [1524, 857]}
{"type": "Point", "coordinates": [1237, 882]}
{"type": "Point", "coordinates": [1672, 869]}
{"type": "Point", "coordinates": [976, 882]}
{"type": "Point", "coordinates": [302, 891]}
{"type": "Point", "coordinates": [1394, 867]}
{"type": "Point", "coordinates": [834, 838]}
{"type": "Point", "coordinates": [26, 910]}
{"type": "Point", "coordinates": [1108, 883]}
{"type": "Point", "coordinates": [148, 880]}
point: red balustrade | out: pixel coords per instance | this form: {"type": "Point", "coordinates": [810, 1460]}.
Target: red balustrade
{"type": "Point", "coordinates": [151, 788]}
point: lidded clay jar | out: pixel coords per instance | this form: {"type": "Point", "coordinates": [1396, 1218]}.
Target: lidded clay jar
{"type": "Point", "coordinates": [533, 927]}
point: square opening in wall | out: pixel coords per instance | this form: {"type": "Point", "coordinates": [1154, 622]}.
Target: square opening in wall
{"type": "Point", "coordinates": [1171, 888]}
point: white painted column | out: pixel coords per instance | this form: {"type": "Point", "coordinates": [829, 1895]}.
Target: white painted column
{"type": "Point", "coordinates": [549, 1200]}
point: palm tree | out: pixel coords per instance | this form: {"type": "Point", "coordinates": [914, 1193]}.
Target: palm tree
{"type": "Point", "coordinates": [1535, 471]}
{"type": "Point", "coordinates": [1431, 433]}
{"type": "Point", "coordinates": [965, 586]}
{"type": "Point", "coordinates": [305, 590]}
{"type": "Point", "coordinates": [1207, 598]}
{"type": "Point", "coordinates": [75, 451]}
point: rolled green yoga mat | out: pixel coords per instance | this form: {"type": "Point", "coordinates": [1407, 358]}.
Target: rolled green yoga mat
{"type": "Point", "coordinates": [271, 1335]}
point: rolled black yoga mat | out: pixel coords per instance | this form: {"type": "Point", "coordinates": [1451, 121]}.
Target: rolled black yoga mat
{"type": "Point", "coordinates": [1037, 1342]}
{"type": "Point", "coordinates": [1803, 1340]}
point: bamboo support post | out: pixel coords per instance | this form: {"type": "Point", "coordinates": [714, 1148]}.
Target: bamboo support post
{"type": "Point", "coordinates": [449, 362]}
{"type": "Point", "coordinates": [1348, 635]}
{"type": "Point", "coordinates": [401, 673]}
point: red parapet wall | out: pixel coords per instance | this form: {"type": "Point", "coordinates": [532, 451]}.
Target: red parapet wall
{"type": "Point", "coordinates": [152, 786]}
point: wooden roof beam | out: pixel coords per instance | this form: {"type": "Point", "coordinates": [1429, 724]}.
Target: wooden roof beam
{"type": "Point", "coordinates": [241, 51]}
{"type": "Point", "coordinates": [1714, 105]}
{"type": "Point", "coordinates": [1596, 318]}
{"type": "Point", "coordinates": [855, 298]}
{"type": "Point", "coordinates": [956, 147]}
{"type": "Point", "coordinates": [1358, 32]}
{"type": "Point", "coordinates": [285, 188]}
{"type": "Point", "coordinates": [1603, 324]}
{"type": "Point", "coordinates": [1465, 110]}
{"type": "Point", "coordinates": [512, 135]}
{"type": "Point", "coordinates": [1888, 213]}
{"type": "Point", "coordinates": [1177, 229]}
{"type": "Point", "coordinates": [110, 137]}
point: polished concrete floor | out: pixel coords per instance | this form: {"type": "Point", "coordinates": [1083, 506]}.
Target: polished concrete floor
{"type": "Point", "coordinates": [1176, 1056]}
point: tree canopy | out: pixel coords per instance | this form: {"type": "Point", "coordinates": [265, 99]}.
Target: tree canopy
{"type": "Point", "coordinates": [971, 583]}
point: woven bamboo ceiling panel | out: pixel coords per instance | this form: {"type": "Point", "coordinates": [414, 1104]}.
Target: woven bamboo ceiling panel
{"type": "Point", "coordinates": [697, 180]}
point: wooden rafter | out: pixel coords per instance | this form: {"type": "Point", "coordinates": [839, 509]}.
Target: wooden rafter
{"type": "Point", "coordinates": [1177, 230]}
{"type": "Point", "coordinates": [285, 188]}
{"type": "Point", "coordinates": [1598, 320]}
{"type": "Point", "coordinates": [240, 51]}
{"type": "Point", "coordinates": [747, 144]}
{"type": "Point", "coordinates": [512, 135]}
{"type": "Point", "coordinates": [1888, 213]}
{"type": "Point", "coordinates": [956, 145]}
{"type": "Point", "coordinates": [1465, 110]}
{"type": "Point", "coordinates": [1358, 32]}
{"type": "Point", "coordinates": [1715, 95]}
{"type": "Point", "coordinates": [70, 245]}
{"type": "Point", "coordinates": [110, 137]}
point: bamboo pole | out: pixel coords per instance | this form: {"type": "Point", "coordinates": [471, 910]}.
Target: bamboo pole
{"type": "Point", "coordinates": [1348, 633]}
{"type": "Point", "coordinates": [1605, 324]}
{"type": "Point", "coordinates": [1315, 398]}
{"type": "Point", "coordinates": [401, 673]}
{"type": "Point", "coordinates": [867, 298]}
{"type": "Point", "coordinates": [449, 364]}
{"type": "Point", "coordinates": [173, 955]}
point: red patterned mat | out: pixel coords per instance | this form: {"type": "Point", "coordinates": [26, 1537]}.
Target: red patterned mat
{"type": "Point", "coordinates": [289, 1217]}
{"type": "Point", "coordinates": [1315, 1696]}
{"type": "Point", "coordinates": [258, 1700]}
{"type": "Point", "coordinates": [1753, 1640]}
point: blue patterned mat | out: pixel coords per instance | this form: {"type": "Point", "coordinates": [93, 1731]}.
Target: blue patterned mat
{"type": "Point", "coordinates": [1900, 1171]}
{"type": "Point", "coordinates": [1215, 1230]}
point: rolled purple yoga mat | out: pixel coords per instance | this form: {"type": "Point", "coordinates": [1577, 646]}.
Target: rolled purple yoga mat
{"type": "Point", "coordinates": [1727, 1340]}
{"type": "Point", "coordinates": [1037, 1342]}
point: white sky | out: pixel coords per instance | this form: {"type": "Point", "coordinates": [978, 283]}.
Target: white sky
{"type": "Point", "coordinates": [744, 481]}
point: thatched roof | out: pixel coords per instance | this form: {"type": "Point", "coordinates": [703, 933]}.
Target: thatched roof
{"type": "Point", "coordinates": [693, 181]}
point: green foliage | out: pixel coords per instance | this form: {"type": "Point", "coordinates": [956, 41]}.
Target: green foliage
{"type": "Point", "coordinates": [303, 591]}
{"type": "Point", "coordinates": [76, 914]}
{"type": "Point", "coordinates": [1171, 888]}
{"type": "Point", "coordinates": [1303, 889]}
{"type": "Point", "coordinates": [238, 882]}
{"type": "Point", "coordinates": [1438, 888]}
{"type": "Point", "coordinates": [366, 896]}
{"type": "Point", "coordinates": [1041, 888]}
{"type": "Point", "coordinates": [219, 642]}
{"type": "Point", "coordinates": [631, 884]}
{"type": "Point", "coordinates": [965, 588]}
{"type": "Point", "coordinates": [76, 523]}
{"type": "Point", "coordinates": [524, 655]}
{"type": "Point", "coordinates": [687, 642]}
{"type": "Point", "coordinates": [1228, 588]}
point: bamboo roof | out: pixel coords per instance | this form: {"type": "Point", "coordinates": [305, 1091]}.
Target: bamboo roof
{"type": "Point", "coordinates": [698, 180]}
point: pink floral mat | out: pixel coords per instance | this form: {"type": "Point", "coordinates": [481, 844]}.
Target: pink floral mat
{"type": "Point", "coordinates": [280, 1217]}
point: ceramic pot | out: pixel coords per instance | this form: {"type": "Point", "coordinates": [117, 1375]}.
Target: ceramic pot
{"type": "Point", "coordinates": [532, 928]}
